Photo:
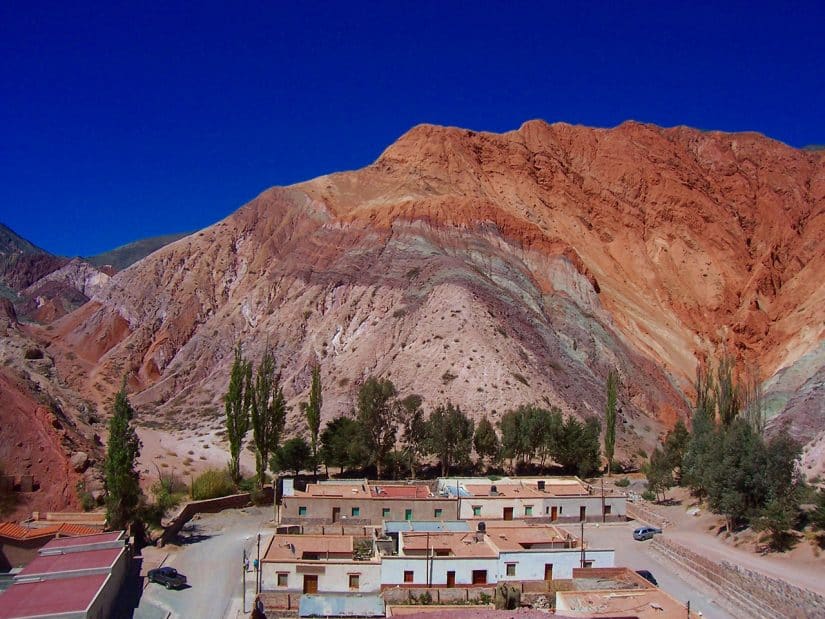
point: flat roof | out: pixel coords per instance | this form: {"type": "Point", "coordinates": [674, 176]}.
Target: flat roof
{"type": "Point", "coordinates": [50, 597]}
{"type": "Point", "coordinates": [395, 526]}
{"type": "Point", "coordinates": [70, 562]}
{"type": "Point", "coordinates": [641, 603]}
{"type": "Point", "coordinates": [83, 540]}
{"type": "Point", "coordinates": [284, 548]}
{"type": "Point", "coordinates": [342, 490]}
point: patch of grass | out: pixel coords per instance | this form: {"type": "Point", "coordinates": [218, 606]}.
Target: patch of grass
{"type": "Point", "coordinates": [624, 482]}
{"type": "Point", "coordinates": [212, 484]}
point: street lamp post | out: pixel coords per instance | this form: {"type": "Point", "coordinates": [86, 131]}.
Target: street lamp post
{"type": "Point", "coordinates": [258, 573]}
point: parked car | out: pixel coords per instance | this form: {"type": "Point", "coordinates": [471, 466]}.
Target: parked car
{"type": "Point", "coordinates": [648, 577]}
{"type": "Point", "coordinates": [643, 533]}
{"type": "Point", "coordinates": [169, 577]}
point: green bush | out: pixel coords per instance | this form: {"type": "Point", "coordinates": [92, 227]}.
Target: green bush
{"type": "Point", "coordinates": [624, 482]}
{"type": "Point", "coordinates": [649, 495]}
{"type": "Point", "coordinates": [212, 484]}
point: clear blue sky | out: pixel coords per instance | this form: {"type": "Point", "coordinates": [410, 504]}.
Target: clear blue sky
{"type": "Point", "coordinates": [121, 121]}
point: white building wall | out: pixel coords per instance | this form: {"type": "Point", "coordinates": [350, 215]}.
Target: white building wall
{"type": "Point", "coordinates": [333, 577]}
{"type": "Point", "coordinates": [393, 568]}
{"type": "Point", "coordinates": [530, 564]}
{"type": "Point", "coordinates": [493, 507]}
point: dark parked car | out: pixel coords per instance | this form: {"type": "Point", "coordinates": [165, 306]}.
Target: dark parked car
{"type": "Point", "coordinates": [169, 577]}
{"type": "Point", "coordinates": [648, 577]}
{"type": "Point", "coordinates": [643, 533]}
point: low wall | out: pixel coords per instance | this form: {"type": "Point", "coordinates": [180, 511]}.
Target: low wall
{"type": "Point", "coordinates": [207, 506]}
{"type": "Point", "coordinates": [639, 512]}
{"type": "Point", "coordinates": [756, 594]}
{"type": "Point", "coordinates": [438, 595]}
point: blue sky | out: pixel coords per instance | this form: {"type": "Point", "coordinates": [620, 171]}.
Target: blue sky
{"type": "Point", "coordinates": [121, 121]}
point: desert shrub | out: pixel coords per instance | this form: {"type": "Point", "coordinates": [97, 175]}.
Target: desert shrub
{"type": "Point", "coordinates": [33, 353]}
{"type": "Point", "coordinates": [649, 495]}
{"type": "Point", "coordinates": [624, 482]}
{"type": "Point", "coordinates": [212, 484]}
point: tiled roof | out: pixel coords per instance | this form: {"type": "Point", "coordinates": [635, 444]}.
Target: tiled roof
{"type": "Point", "coordinates": [91, 559]}
{"type": "Point", "coordinates": [50, 597]}
{"type": "Point", "coordinates": [11, 530]}
{"type": "Point", "coordinates": [456, 544]}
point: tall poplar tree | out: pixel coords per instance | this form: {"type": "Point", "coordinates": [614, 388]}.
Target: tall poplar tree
{"type": "Point", "coordinates": [312, 410]}
{"type": "Point", "coordinates": [610, 419]}
{"type": "Point", "coordinates": [238, 402]}
{"type": "Point", "coordinates": [377, 415]}
{"type": "Point", "coordinates": [268, 413]}
{"type": "Point", "coordinates": [122, 450]}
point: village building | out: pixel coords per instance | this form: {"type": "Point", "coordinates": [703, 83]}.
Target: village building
{"type": "Point", "coordinates": [20, 544]}
{"type": "Point", "coordinates": [358, 502]}
{"type": "Point", "coordinates": [424, 555]}
{"type": "Point", "coordinates": [352, 503]}
{"type": "Point", "coordinates": [547, 499]}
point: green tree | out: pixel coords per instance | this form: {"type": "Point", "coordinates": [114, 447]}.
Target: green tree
{"type": "Point", "coordinates": [699, 450]}
{"type": "Point", "coordinates": [485, 441]}
{"type": "Point", "coordinates": [238, 402]}
{"type": "Point", "coordinates": [122, 450]}
{"type": "Point", "coordinates": [413, 430]}
{"type": "Point", "coordinates": [377, 415]}
{"type": "Point", "coordinates": [517, 442]}
{"type": "Point", "coordinates": [312, 410]}
{"type": "Point", "coordinates": [294, 455]}
{"type": "Point", "coordinates": [728, 398]}
{"type": "Point", "coordinates": [544, 431]}
{"type": "Point", "coordinates": [450, 436]}
{"type": "Point", "coordinates": [578, 447]}
{"type": "Point", "coordinates": [610, 419]}
{"type": "Point", "coordinates": [342, 444]}
{"type": "Point", "coordinates": [267, 413]}
{"type": "Point", "coordinates": [776, 519]}
{"type": "Point", "coordinates": [818, 515]}
{"type": "Point", "coordinates": [659, 473]}
{"type": "Point", "coordinates": [675, 446]}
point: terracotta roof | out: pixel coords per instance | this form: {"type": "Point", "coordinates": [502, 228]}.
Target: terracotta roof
{"type": "Point", "coordinates": [506, 491]}
{"type": "Point", "coordinates": [520, 537]}
{"type": "Point", "coordinates": [293, 547]}
{"type": "Point", "coordinates": [14, 531]}
{"type": "Point", "coordinates": [455, 544]}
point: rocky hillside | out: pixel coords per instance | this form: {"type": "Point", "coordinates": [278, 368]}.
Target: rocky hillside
{"type": "Point", "coordinates": [487, 269]}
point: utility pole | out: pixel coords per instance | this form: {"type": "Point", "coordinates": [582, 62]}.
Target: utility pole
{"type": "Point", "coordinates": [258, 568]}
{"type": "Point", "coordinates": [603, 516]}
{"type": "Point", "coordinates": [581, 541]}
{"type": "Point", "coordinates": [243, 579]}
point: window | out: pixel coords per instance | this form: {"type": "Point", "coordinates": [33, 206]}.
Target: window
{"type": "Point", "coordinates": [356, 511]}
{"type": "Point", "coordinates": [608, 509]}
{"type": "Point", "coordinates": [385, 513]}
{"type": "Point", "coordinates": [283, 579]}
{"type": "Point", "coordinates": [528, 510]}
{"type": "Point", "coordinates": [476, 510]}
{"type": "Point", "coordinates": [588, 564]}
{"type": "Point", "coordinates": [437, 513]}
{"type": "Point", "coordinates": [479, 577]}
{"type": "Point", "coordinates": [511, 569]}
{"type": "Point", "coordinates": [408, 575]}
{"type": "Point", "coordinates": [354, 581]}
{"type": "Point", "coordinates": [407, 514]}
{"type": "Point", "coordinates": [302, 510]}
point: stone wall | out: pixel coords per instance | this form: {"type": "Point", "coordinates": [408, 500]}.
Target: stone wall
{"type": "Point", "coordinates": [640, 512]}
{"type": "Point", "coordinates": [751, 592]}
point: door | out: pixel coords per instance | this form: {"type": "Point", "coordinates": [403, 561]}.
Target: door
{"type": "Point", "coordinates": [336, 514]}
{"type": "Point", "coordinates": [554, 513]}
{"type": "Point", "coordinates": [310, 583]}
{"type": "Point", "coordinates": [451, 579]}
{"type": "Point", "coordinates": [407, 514]}
{"type": "Point", "coordinates": [548, 572]}
{"type": "Point", "coordinates": [508, 513]}
{"type": "Point", "coordinates": [479, 577]}
{"type": "Point", "coordinates": [582, 513]}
